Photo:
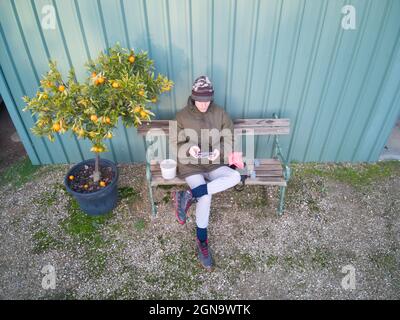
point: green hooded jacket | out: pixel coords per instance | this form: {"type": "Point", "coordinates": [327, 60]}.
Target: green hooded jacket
{"type": "Point", "coordinates": [189, 122]}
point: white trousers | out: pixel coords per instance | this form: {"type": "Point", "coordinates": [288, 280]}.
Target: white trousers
{"type": "Point", "coordinates": [220, 179]}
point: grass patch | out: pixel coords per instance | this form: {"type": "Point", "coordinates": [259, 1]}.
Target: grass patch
{"type": "Point", "coordinates": [151, 279]}
{"type": "Point", "coordinates": [181, 270]}
{"type": "Point", "coordinates": [356, 175]}
{"type": "Point", "coordinates": [246, 262]}
{"type": "Point", "coordinates": [271, 260]}
{"type": "Point", "coordinates": [23, 171]}
{"type": "Point", "coordinates": [293, 262]}
{"type": "Point", "coordinates": [82, 226]}
{"type": "Point", "coordinates": [68, 294]}
{"type": "Point", "coordinates": [320, 258]}
{"type": "Point", "coordinates": [165, 186]}
{"type": "Point", "coordinates": [313, 205]}
{"type": "Point", "coordinates": [47, 199]}
{"type": "Point", "coordinates": [236, 262]}
{"type": "Point", "coordinates": [252, 197]}
{"type": "Point", "coordinates": [303, 187]}
{"type": "Point", "coordinates": [86, 231]}
{"type": "Point", "coordinates": [384, 261]}
{"type": "Point", "coordinates": [96, 262]}
{"type": "Point", "coordinates": [59, 186]}
{"type": "Point", "coordinates": [140, 225]}
{"type": "Point", "coordinates": [167, 197]}
{"type": "Point", "coordinates": [128, 193]}
{"type": "Point", "coordinates": [43, 241]}
{"type": "Point", "coordinates": [127, 291]}
{"type": "Point", "coordinates": [315, 258]}
{"type": "Point", "coordinates": [19, 173]}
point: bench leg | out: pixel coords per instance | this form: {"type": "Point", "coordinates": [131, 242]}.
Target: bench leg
{"type": "Point", "coordinates": [282, 191]}
{"type": "Point", "coordinates": [153, 205]}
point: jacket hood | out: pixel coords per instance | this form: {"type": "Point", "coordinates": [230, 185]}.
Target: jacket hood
{"type": "Point", "coordinates": [192, 107]}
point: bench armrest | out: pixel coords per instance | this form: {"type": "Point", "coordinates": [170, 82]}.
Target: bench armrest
{"type": "Point", "coordinates": [277, 152]}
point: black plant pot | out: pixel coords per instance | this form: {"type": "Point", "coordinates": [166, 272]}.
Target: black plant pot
{"type": "Point", "coordinates": [98, 202]}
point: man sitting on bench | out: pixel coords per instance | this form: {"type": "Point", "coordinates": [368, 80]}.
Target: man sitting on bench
{"type": "Point", "coordinates": [202, 113]}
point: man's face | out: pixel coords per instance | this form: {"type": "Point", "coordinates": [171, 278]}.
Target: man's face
{"type": "Point", "coordinates": [202, 106]}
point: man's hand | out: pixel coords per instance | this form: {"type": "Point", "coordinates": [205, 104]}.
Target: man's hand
{"type": "Point", "coordinates": [214, 156]}
{"type": "Point", "coordinates": [193, 151]}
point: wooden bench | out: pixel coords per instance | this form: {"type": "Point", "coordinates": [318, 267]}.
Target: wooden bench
{"type": "Point", "coordinates": [274, 171]}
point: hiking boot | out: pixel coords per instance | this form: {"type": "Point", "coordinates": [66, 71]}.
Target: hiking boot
{"type": "Point", "coordinates": [182, 200]}
{"type": "Point", "coordinates": [204, 254]}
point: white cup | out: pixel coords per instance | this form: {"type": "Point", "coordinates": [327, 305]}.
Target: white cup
{"type": "Point", "coordinates": [168, 169]}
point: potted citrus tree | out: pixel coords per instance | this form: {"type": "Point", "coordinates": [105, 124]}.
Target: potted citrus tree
{"type": "Point", "coordinates": [120, 84]}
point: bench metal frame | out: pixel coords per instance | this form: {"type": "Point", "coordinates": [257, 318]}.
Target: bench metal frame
{"type": "Point", "coordinates": [276, 154]}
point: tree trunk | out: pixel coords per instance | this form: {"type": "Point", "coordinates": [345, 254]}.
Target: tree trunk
{"type": "Point", "coordinates": [96, 173]}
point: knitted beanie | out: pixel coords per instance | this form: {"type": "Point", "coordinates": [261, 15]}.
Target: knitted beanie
{"type": "Point", "coordinates": [202, 89]}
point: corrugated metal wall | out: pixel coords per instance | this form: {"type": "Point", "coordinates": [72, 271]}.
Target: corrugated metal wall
{"type": "Point", "coordinates": [340, 88]}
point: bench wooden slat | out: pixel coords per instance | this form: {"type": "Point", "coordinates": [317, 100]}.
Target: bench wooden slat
{"type": "Point", "coordinates": [264, 163]}
{"type": "Point", "coordinates": [269, 172]}
{"type": "Point", "coordinates": [261, 131]}
{"type": "Point", "coordinates": [272, 181]}
{"type": "Point", "coordinates": [158, 180]}
{"type": "Point", "coordinates": [269, 161]}
{"type": "Point", "coordinates": [277, 173]}
{"type": "Point", "coordinates": [272, 168]}
{"type": "Point", "coordinates": [237, 130]}
{"type": "Point", "coordinates": [261, 122]}
{"type": "Point", "coordinates": [256, 126]}
{"type": "Point", "coordinates": [265, 173]}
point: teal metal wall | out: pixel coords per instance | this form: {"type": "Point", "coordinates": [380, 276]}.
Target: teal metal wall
{"type": "Point", "coordinates": [340, 88]}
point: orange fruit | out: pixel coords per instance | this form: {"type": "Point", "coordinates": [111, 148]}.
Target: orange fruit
{"type": "Point", "coordinates": [108, 120]}
{"type": "Point", "coordinates": [102, 184]}
{"type": "Point", "coordinates": [56, 127]}
{"type": "Point", "coordinates": [131, 59]}
{"type": "Point", "coordinates": [141, 92]}
{"type": "Point", "coordinates": [143, 113]}
{"type": "Point", "coordinates": [115, 84]}
{"type": "Point", "coordinates": [137, 109]}
{"type": "Point", "coordinates": [61, 88]}
{"type": "Point", "coordinates": [93, 117]}
{"type": "Point", "coordinates": [71, 177]}
{"type": "Point", "coordinates": [81, 133]}
{"type": "Point", "coordinates": [85, 186]}
{"type": "Point", "coordinates": [94, 74]}
{"type": "Point", "coordinates": [100, 80]}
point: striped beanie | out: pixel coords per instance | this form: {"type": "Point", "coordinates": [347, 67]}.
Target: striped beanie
{"type": "Point", "coordinates": [202, 89]}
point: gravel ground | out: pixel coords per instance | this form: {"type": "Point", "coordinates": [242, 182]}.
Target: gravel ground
{"type": "Point", "coordinates": [329, 223]}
